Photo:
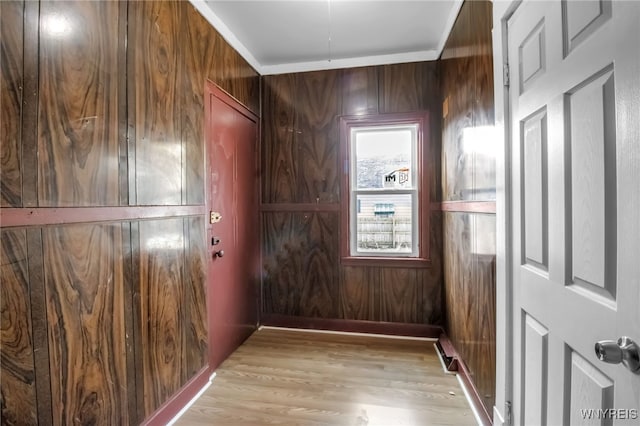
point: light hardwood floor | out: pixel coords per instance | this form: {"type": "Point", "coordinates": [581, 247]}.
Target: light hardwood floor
{"type": "Point", "coordinates": [305, 378]}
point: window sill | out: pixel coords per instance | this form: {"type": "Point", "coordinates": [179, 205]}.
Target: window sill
{"type": "Point", "coordinates": [388, 262]}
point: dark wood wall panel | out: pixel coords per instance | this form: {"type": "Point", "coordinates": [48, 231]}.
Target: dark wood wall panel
{"type": "Point", "coordinates": [484, 167]}
{"type": "Point", "coordinates": [279, 157]}
{"type": "Point", "coordinates": [233, 74]}
{"type": "Point", "coordinates": [360, 90]}
{"type": "Point", "coordinates": [467, 83]}
{"type": "Point", "coordinates": [11, 84]}
{"type": "Point", "coordinates": [300, 167]}
{"type": "Point", "coordinates": [470, 295]}
{"type": "Point", "coordinates": [162, 301]}
{"type": "Point", "coordinates": [360, 293]}
{"type": "Point", "coordinates": [29, 134]}
{"type": "Point", "coordinates": [196, 298]}
{"type": "Point", "coordinates": [458, 95]}
{"type": "Point", "coordinates": [282, 255]}
{"type": "Point", "coordinates": [199, 47]}
{"type": "Point", "coordinates": [105, 109]}
{"type": "Point", "coordinates": [408, 87]}
{"type": "Point", "coordinates": [400, 294]}
{"type": "Point", "coordinates": [17, 370]}
{"type": "Point", "coordinates": [433, 295]}
{"type": "Point", "coordinates": [482, 18]}
{"type": "Point", "coordinates": [317, 127]}
{"type": "Point", "coordinates": [300, 258]}
{"type": "Point", "coordinates": [84, 284]}
{"type": "Point", "coordinates": [79, 109]}
{"type": "Point", "coordinates": [469, 238]}
{"type": "Point", "coordinates": [154, 43]}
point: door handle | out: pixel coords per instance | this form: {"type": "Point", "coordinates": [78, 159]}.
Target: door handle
{"type": "Point", "coordinates": [625, 351]}
{"type": "Point", "coordinates": [219, 253]}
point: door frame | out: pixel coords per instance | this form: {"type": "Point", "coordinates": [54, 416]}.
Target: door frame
{"type": "Point", "coordinates": [502, 410]}
{"type": "Point", "coordinates": [212, 89]}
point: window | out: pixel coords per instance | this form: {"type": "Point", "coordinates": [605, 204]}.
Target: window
{"type": "Point", "coordinates": [384, 188]}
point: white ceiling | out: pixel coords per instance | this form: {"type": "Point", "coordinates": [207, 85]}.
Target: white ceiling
{"type": "Point", "coordinates": [278, 37]}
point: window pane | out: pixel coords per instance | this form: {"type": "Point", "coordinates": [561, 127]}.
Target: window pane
{"type": "Point", "coordinates": [383, 157]}
{"type": "Point", "coordinates": [383, 224]}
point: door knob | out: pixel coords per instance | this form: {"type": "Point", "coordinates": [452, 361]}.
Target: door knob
{"type": "Point", "coordinates": [623, 351]}
{"type": "Point", "coordinates": [219, 253]}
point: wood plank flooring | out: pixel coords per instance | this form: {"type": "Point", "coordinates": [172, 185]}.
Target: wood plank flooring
{"type": "Point", "coordinates": [283, 377]}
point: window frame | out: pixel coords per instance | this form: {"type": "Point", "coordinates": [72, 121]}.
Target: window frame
{"type": "Point", "coordinates": [347, 123]}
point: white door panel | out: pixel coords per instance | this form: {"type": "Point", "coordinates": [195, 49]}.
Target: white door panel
{"type": "Point", "coordinates": [575, 144]}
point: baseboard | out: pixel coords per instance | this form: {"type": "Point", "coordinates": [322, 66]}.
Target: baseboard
{"type": "Point", "coordinates": [448, 353]}
{"type": "Point", "coordinates": [453, 363]}
{"type": "Point", "coordinates": [352, 326]}
{"type": "Point", "coordinates": [170, 409]}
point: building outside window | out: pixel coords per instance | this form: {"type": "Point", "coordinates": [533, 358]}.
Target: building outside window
{"type": "Point", "coordinates": [384, 186]}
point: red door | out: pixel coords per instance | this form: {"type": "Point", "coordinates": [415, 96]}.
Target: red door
{"type": "Point", "coordinates": [232, 290]}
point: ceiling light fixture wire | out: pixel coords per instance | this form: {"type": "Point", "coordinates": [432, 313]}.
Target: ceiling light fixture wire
{"type": "Point", "coordinates": [329, 28]}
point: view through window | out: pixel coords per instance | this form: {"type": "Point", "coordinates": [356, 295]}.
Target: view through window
{"type": "Point", "coordinates": [384, 190]}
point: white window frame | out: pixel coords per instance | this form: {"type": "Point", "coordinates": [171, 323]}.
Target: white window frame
{"type": "Point", "coordinates": [413, 191]}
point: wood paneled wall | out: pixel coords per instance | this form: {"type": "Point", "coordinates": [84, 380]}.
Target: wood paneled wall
{"type": "Point", "coordinates": [470, 262]}
{"type": "Point", "coordinates": [468, 173]}
{"type": "Point", "coordinates": [103, 107]}
{"type": "Point", "coordinates": [300, 195]}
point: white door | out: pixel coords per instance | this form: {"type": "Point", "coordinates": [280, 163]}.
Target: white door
{"type": "Point", "coordinates": [575, 143]}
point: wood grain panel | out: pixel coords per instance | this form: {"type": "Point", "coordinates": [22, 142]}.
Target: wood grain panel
{"type": "Point", "coordinates": [467, 81]}
{"type": "Point", "coordinates": [138, 322]}
{"type": "Point", "coordinates": [360, 90]}
{"type": "Point", "coordinates": [83, 267]}
{"type": "Point", "coordinates": [482, 20]}
{"type": "Point", "coordinates": [196, 36]}
{"type": "Point", "coordinates": [17, 387]}
{"type": "Point", "coordinates": [469, 174]}
{"type": "Point", "coordinates": [162, 301]}
{"type": "Point", "coordinates": [300, 252]}
{"type": "Point", "coordinates": [457, 177]}
{"type": "Point", "coordinates": [279, 157]}
{"type": "Point", "coordinates": [360, 293]}
{"type": "Point", "coordinates": [457, 93]}
{"type": "Point", "coordinates": [79, 108]}
{"type": "Point", "coordinates": [483, 113]}
{"type": "Point", "coordinates": [282, 254]}
{"type": "Point", "coordinates": [407, 87]}
{"type": "Point", "coordinates": [29, 131]}
{"type": "Point", "coordinates": [458, 275]}
{"type": "Point", "coordinates": [297, 166]}
{"type": "Point", "coordinates": [130, 314]}
{"type": "Point", "coordinates": [11, 84]}
{"type": "Point", "coordinates": [195, 294]}
{"type": "Point", "coordinates": [469, 269]}
{"type": "Point", "coordinates": [433, 155]}
{"type": "Point", "coordinates": [320, 281]}
{"type": "Point", "coordinates": [318, 138]}
{"type": "Point", "coordinates": [154, 46]}
{"type": "Point", "coordinates": [400, 293]}
{"type": "Point", "coordinates": [233, 74]}
{"type": "Point", "coordinates": [430, 279]}
{"type": "Point", "coordinates": [39, 321]}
